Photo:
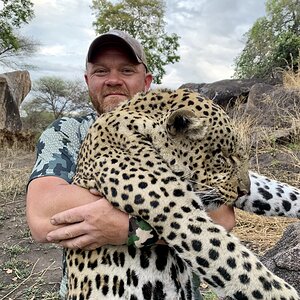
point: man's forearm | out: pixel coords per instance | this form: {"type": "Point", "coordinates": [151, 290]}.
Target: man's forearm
{"type": "Point", "coordinates": [48, 196]}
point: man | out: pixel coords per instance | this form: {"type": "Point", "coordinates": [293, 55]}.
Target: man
{"type": "Point", "coordinates": [59, 212]}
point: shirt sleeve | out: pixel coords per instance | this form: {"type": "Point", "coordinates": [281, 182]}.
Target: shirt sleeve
{"type": "Point", "coordinates": [58, 147]}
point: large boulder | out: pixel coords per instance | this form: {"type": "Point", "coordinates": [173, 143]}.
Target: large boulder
{"type": "Point", "coordinates": [283, 258]}
{"type": "Point", "coordinates": [14, 87]}
{"type": "Point", "coordinates": [225, 92]}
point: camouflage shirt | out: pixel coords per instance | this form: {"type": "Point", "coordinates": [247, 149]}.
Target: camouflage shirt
{"type": "Point", "coordinates": [57, 152]}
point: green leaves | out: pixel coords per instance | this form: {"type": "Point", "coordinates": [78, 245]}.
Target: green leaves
{"type": "Point", "coordinates": [13, 15]}
{"type": "Point", "coordinates": [144, 20]}
{"type": "Point", "coordinates": [16, 12]}
{"type": "Point", "coordinates": [272, 42]}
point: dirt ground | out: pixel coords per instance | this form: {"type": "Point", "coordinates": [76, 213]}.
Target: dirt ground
{"type": "Point", "coordinates": [29, 270]}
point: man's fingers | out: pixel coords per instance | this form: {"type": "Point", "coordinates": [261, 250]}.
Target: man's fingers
{"type": "Point", "coordinates": [92, 246]}
{"type": "Point", "coordinates": [71, 244]}
{"type": "Point", "coordinates": [69, 216]}
{"type": "Point", "coordinates": [95, 192]}
{"type": "Point", "coordinates": [65, 233]}
{"type": "Point", "coordinates": [82, 242]}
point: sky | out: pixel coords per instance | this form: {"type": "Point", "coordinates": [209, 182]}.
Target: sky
{"type": "Point", "coordinates": [211, 37]}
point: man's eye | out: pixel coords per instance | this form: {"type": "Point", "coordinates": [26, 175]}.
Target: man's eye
{"type": "Point", "coordinates": [101, 72]}
{"type": "Point", "coordinates": [127, 71]}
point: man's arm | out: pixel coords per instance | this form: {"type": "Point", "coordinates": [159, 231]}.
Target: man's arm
{"type": "Point", "coordinates": [98, 224]}
{"type": "Point", "coordinates": [224, 216]}
{"type": "Point", "coordinates": [50, 192]}
{"type": "Point", "coordinates": [112, 226]}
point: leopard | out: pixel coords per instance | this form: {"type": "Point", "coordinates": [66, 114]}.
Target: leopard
{"type": "Point", "coordinates": [169, 157]}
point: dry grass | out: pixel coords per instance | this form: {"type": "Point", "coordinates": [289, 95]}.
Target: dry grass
{"type": "Point", "coordinates": [27, 270]}
{"type": "Point", "coordinates": [25, 140]}
{"type": "Point", "coordinates": [14, 174]}
{"type": "Point", "coordinates": [280, 162]}
{"type": "Point", "coordinates": [244, 126]}
{"type": "Point", "coordinates": [14, 149]}
{"type": "Point", "coordinates": [259, 232]}
{"type": "Point", "coordinates": [291, 79]}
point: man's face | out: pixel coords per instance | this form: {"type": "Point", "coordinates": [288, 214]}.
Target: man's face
{"type": "Point", "coordinates": [114, 77]}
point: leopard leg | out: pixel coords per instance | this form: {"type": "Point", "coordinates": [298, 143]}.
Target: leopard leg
{"type": "Point", "coordinates": [270, 198]}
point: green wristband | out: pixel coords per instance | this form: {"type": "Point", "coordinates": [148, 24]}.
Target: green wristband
{"type": "Point", "coordinates": [140, 233]}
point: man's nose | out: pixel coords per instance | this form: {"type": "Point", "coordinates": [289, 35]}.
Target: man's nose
{"type": "Point", "coordinates": [113, 79]}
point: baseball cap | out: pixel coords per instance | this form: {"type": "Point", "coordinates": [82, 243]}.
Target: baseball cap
{"type": "Point", "coordinates": [121, 38]}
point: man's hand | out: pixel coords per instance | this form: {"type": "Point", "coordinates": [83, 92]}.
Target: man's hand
{"type": "Point", "coordinates": [90, 226]}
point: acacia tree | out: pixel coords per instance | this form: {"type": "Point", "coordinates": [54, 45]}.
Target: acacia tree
{"type": "Point", "coordinates": [59, 97]}
{"type": "Point", "coordinates": [272, 42]}
{"type": "Point", "coordinates": [14, 14]}
{"type": "Point", "coordinates": [144, 20]}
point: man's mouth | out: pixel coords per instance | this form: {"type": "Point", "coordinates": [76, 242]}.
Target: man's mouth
{"type": "Point", "coordinates": [115, 93]}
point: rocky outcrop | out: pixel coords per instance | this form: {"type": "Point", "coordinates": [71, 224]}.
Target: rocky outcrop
{"type": "Point", "coordinates": [283, 258]}
{"type": "Point", "coordinates": [225, 92]}
{"type": "Point", "coordinates": [14, 86]}
{"type": "Point", "coordinates": [276, 110]}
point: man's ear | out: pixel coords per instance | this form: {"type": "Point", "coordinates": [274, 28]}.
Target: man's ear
{"type": "Point", "coordinates": [86, 79]}
{"type": "Point", "coordinates": [184, 122]}
{"type": "Point", "coordinates": [148, 81]}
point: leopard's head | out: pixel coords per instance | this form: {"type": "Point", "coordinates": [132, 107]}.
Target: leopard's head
{"type": "Point", "coordinates": [206, 147]}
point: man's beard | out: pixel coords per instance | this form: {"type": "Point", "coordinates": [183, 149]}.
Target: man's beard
{"type": "Point", "coordinates": [113, 104]}
{"type": "Point", "coordinates": [110, 104]}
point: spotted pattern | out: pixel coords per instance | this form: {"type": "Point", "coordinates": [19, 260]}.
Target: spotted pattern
{"type": "Point", "coordinates": [270, 198]}
{"type": "Point", "coordinates": [166, 156]}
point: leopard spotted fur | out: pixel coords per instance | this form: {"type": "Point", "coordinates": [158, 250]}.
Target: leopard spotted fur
{"type": "Point", "coordinates": [167, 157]}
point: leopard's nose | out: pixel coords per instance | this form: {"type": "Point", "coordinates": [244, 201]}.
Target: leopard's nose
{"type": "Point", "coordinates": [242, 192]}
{"type": "Point", "coordinates": [244, 183]}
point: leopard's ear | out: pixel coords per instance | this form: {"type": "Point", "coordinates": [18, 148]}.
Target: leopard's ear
{"type": "Point", "coordinates": [184, 122]}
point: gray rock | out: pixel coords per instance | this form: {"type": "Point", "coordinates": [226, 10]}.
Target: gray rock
{"type": "Point", "coordinates": [284, 258]}
{"type": "Point", "coordinates": [268, 104]}
{"type": "Point", "coordinates": [14, 86]}
{"type": "Point", "coordinates": [225, 92]}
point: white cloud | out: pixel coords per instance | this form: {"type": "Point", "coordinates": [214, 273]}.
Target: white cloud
{"type": "Point", "coordinates": [210, 30]}
{"type": "Point", "coordinates": [52, 50]}
{"type": "Point", "coordinates": [211, 37]}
